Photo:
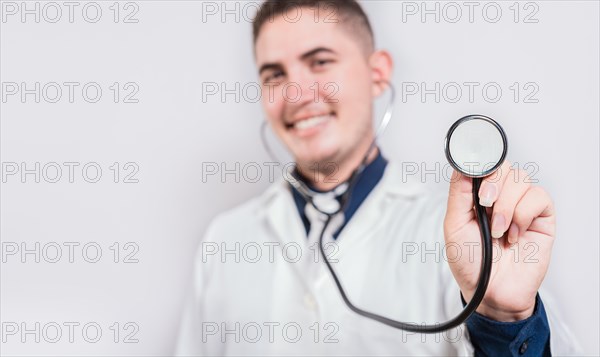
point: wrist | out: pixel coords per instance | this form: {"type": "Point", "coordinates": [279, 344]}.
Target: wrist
{"type": "Point", "coordinates": [502, 315]}
{"type": "Point", "coordinates": [499, 314]}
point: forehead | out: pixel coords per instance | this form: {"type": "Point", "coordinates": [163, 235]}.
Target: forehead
{"type": "Point", "coordinates": [287, 37]}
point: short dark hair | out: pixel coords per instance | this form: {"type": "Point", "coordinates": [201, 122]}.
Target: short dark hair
{"type": "Point", "coordinates": [348, 12]}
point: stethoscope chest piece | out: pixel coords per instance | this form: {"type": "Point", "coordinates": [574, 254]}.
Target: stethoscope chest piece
{"type": "Point", "coordinates": [476, 145]}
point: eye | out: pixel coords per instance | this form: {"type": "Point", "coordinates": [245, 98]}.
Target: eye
{"type": "Point", "coordinates": [273, 76]}
{"type": "Point", "coordinates": [321, 62]}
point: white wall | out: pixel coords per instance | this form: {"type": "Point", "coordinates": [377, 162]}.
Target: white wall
{"type": "Point", "coordinates": [171, 132]}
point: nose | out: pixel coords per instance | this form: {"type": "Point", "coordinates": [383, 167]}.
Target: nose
{"type": "Point", "coordinates": [302, 88]}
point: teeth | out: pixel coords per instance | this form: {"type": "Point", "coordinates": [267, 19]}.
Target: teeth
{"type": "Point", "coordinates": [311, 122]}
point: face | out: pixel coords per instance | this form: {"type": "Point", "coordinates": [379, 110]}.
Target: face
{"type": "Point", "coordinates": [318, 87]}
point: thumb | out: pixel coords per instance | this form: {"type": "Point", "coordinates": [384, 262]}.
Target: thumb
{"type": "Point", "coordinates": [460, 202]}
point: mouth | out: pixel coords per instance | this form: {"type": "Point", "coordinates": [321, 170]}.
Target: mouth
{"type": "Point", "coordinates": [310, 125]}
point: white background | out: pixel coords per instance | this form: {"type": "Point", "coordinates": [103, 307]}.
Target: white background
{"type": "Point", "coordinates": [175, 48]}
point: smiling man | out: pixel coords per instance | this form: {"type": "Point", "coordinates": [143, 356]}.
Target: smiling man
{"type": "Point", "coordinates": [332, 69]}
{"type": "Point", "coordinates": [260, 287]}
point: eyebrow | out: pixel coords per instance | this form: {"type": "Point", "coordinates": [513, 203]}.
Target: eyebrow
{"type": "Point", "coordinates": [304, 56]}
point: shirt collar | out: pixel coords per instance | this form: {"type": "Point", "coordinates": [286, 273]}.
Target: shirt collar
{"type": "Point", "coordinates": [366, 181]}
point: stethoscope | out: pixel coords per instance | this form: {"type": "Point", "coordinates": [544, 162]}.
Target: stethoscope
{"type": "Point", "coordinates": [475, 146]}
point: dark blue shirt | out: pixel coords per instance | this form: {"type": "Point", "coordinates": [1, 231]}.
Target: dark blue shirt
{"type": "Point", "coordinates": [529, 337]}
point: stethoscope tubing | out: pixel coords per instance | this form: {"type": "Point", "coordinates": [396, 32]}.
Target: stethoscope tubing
{"type": "Point", "coordinates": [484, 278]}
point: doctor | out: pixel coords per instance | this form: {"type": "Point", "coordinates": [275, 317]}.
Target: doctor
{"type": "Point", "coordinates": [260, 287]}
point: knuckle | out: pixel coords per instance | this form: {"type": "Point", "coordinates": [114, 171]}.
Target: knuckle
{"type": "Point", "coordinates": [523, 178]}
{"type": "Point", "coordinates": [538, 191]}
{"type": "Point", "coordinates": [521, 215]}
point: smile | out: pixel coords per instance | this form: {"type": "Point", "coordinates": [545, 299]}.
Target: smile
{"type": "Point", "coordinates": [312, 122]}
{"type": "Point", "coordinates": [310, 125]}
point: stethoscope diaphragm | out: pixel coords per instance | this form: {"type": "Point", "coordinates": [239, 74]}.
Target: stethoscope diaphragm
{"type": "Point", "coordinates": [476, 145]}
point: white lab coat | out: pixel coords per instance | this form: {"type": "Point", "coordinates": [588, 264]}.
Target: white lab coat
{"type": "Point", "coordinates": [262, 298]}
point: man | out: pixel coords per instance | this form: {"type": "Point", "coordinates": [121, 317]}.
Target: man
{"type": "Point", "coordinates": [273, 302]}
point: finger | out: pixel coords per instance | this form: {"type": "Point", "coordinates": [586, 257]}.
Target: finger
{"type": "Point", "coordinates": [492, 185]}
{"type": "Point", "coordinates": [536, 203]}
{"type": "Point", "coordinates": [504, 207]}
{"type": "Point", "coordinates": [460, 202]}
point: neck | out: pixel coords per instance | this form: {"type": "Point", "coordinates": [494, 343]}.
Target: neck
{"type": "Point", "coordinates": [327, 175]}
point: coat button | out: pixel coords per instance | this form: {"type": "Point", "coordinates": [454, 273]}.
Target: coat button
{"type": "Point", "coordinates": [310, 302]}
{"type": "Point", "coordinates": [523, 347]}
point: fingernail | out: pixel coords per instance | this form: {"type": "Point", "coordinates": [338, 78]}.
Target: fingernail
{"type": "Point", "coordinates": [513, 233]}
{"type": "Point", "coordinates": [498, 224]}
{"type": "Point", "coordinates": [487, 195]}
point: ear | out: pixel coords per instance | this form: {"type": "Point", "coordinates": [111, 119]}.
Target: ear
{"type": "Point", "coordinates": [381, 64]}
